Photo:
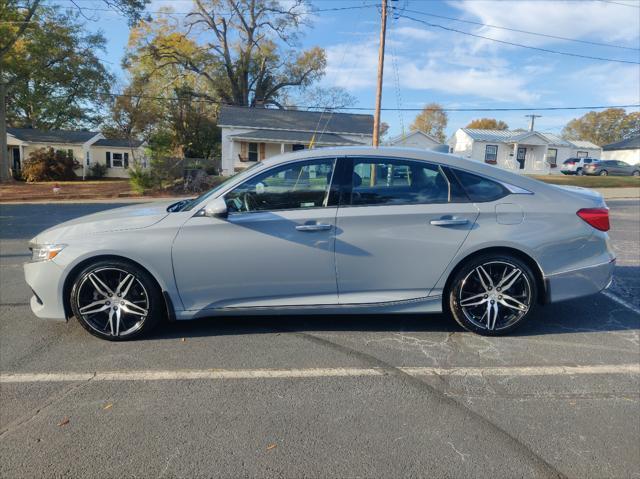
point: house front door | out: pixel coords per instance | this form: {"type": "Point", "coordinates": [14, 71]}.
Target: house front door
{"type": "Point", "coordinates": [522, 153]}
{"type": "Point", "coordinates": [15, 163]}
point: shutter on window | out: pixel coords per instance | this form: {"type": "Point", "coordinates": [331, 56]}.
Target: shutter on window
{"type": "Point", "coordinates": [262, 153]}
{"type": "Point", "coordinates": [243, 151]}
{"type": "Point", "coordinates": [126, 160]}
{"type": "Point", "coordinates": [108, 163]}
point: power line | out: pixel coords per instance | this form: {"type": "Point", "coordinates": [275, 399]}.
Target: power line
{"type": "Point", "coordinates": [556, 37]}
{"type": "Point", "coordinates": [621, 4]}
{"type": "Point", "coordinates": [540, 49]}
{"type": "Point", "coordinates": [329, 108]}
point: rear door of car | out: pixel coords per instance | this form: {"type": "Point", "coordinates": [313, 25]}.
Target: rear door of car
{"type": "Point", "coordinates": [399, 224]}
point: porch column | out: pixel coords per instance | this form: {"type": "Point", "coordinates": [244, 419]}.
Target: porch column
{"type": "Point", "coordinates": [281, 148]}
{"type": "Point", "coordinates": [516, 164]}
{"type": "Point", "coordinates": [545, 165]}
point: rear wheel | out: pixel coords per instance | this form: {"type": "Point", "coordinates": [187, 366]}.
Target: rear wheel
{"type": "Point", "coordinates": [604, 173]}
{"type": "Point", "coordinates": [116, 300]}
{"type": "Point", "coordinates": [492, 294]}
{"type": "Point", "coordinates": [579, 172]}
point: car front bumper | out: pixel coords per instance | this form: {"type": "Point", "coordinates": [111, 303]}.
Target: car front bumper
{"type": "Point", "coordinates": [45, 278]}
{"type": "Point", "coordinates": [580, 282]}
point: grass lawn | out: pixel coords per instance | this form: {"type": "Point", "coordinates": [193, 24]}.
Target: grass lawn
{"type": "Point", "coordinates": [591, 181]}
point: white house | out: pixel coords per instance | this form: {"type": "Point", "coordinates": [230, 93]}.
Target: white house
{"type": "Point", "coordinates": [255, 134]}
{"type": "Point", "coordinates": [625, 150]}
{"type": "Point", "coordinates": [415, 139]}
{"type": "Point", "coordinates": [87, 147]}
{"type": "Point", "coordinates": [523, 151]}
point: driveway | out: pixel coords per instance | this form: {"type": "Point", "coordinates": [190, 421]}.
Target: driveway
{"type": "Point", "coordinates": [364, 396]}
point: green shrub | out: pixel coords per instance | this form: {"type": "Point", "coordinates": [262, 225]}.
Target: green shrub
{"type": "Point", "coordinates": [45, 164]}
{"type": "Point", "coordinates": [98, 170]}
{"type": "Point", "coordinates": [141, 180]}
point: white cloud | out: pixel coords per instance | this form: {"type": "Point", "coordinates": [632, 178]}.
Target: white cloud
{"type": "Point", "coordinates": [593, 21]}
{"type": "Point", "coordinates": [411, 33]}
{"type": "Point", "coordinates": [613, 84]}
{"type": "Point", "coordinates": [354, 66]}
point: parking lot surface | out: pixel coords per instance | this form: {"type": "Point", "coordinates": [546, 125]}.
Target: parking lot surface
{"type": "Point", "coordinates": [322, 396]}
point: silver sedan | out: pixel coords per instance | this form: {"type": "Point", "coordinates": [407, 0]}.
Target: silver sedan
{"type": "Point", "coordinates": [333, 231]}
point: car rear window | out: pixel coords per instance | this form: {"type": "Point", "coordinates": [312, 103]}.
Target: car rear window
{"type": "Point", "coordinates": [570, 160]}
{"type": "Point", "coordinates": [480, 189]}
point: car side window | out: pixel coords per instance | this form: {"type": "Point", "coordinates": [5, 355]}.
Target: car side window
{"type": "Point", "coordinates": [587, 161]}
{"type": "Point", "coordinates": [304, 184]}
{"type": "Point", "coordinates": [480, 189]}
{"type": "Point", "coordinates": [396, 182]}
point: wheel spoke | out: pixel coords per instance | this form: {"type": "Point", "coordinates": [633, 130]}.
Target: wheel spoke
{"type": "Point", "coordinates": [95, 307]}
{"type": "Point", "coordinates": [129, 307]}
{"type": "Point", "coordinates": [513, 303]}
{"type": "Point", "coordinates": [110, 323]}
{"type": "Point", "coordinates": [99, 285]}
{"type": "Point", "coordinates": [118, 316]}
{"type": "Point", "coordinates": [125, 285]}
{"type": "Point", "coordinates": [485, 278]}
{"type": "Point", "coordinates": [509, 280]}
{"type": "Point", "coordinates": [492, 315]}
{"type": "Point", "coordinates": [473, 300]}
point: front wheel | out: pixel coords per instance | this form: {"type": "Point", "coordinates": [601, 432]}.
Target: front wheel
{"type": "Point", "coordinates": [491, 295]}
{"type": "Point", "coordinates": [604, 173]}
{"type": "Point", "coordinates": [116, 300]}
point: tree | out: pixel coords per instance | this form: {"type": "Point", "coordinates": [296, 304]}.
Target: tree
{"type": "Point", "coordinates": [45, 164]}
{"type": "Point", "coordinates": [54, 76]}
{"type": "Point", "coordinates": [322, 98]}
{"type": "Point", "coordinates": [488, 124]}
{"type": "Point", "coordinates": [242, 49]}
{"type": "Point", "coordinates": [604, 127]}
{"type": "Point", "coordinates": [431, 120]}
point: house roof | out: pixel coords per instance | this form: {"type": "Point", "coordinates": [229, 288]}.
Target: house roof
{"type": "Point", "coordinates": [512, 136]}
{"type": "Point", "coordinates": [398, 138]}
{"type": "Point", "coordinates": [628, 144]}
{"type": "Point", "coordinates": [301, 137]}
{"type": "Point", "coordinates": [118, 143]}
{"type": "Point", "coordinates": [296, 120]}
{"type": "Point", "coordinates": [52, 136]}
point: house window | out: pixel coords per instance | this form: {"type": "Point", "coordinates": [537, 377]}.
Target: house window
{"type": "Point", "coordinates": [117, 160]}
{"type": "Point", "coordinates": [70, 154]}
{"type": "Point", "coordinates": [552, 157]}
{"type": "Point", "coordinates": [297, 147]}
{"type": "Point", "coordinates": [88, 159]}
{"type": "Point", "coordinates": [582, 154]}
{"type": "Point", "coordinates": [253, 152]}
{"type": "Point", "coordinates": [491, 154]}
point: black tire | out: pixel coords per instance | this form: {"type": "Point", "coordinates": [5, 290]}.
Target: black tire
{"type": "Point", "coordinates": [142, 295]}
{"type": "Point", "coordinates": [579, 172]}
{"type": "Point", "coordinates": [507, 317]}
{"type": "Point", "coordinates": [635, 173]}
{"type": "Point", "coordinates": [603, 173]}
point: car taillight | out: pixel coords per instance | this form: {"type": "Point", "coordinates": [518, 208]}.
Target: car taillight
{"type": "Point", "coordinates": [571, 163]}
{"type": "Point", "coordinates": [596, 217]}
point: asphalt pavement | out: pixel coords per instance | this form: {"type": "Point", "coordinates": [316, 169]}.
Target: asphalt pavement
{"type": "Point", "coordinates": [322, 396]}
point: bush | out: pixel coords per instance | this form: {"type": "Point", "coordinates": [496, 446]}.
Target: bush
{"type": "Point", "coordinates": [141, 180]}
{"type": "Point", "coordinates": [45, 164]}
{"type": "Point", "coordinates": [98, 170]}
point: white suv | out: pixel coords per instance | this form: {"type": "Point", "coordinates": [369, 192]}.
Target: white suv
{"type": "Point", "coordinates": [574, 166]}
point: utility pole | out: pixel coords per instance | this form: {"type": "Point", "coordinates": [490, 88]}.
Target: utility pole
{"type": "Point", "coordinates": [4, 151]}
{"type": "Point", "coordinates": [383, 34]}
{"type": "Point", "coordinates": [532, 120]}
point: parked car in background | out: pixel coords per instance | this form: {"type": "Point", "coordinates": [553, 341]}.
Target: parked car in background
{"type": "Point", "coordinates": [611, 167]}
{"type": "Point", "coordinates": [575, 166]}
{"type": "Point", "coordinates": [333, 231]}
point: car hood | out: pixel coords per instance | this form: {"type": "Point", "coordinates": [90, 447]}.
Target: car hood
{"type": "Point", "coordinates": [117, 219]}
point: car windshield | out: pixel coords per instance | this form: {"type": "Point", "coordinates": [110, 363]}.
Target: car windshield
{"type": "Point", "coordinates": [189, 204]}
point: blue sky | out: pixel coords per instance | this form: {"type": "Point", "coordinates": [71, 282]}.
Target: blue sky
{"type": "Point", "coordinates": [426, 64]}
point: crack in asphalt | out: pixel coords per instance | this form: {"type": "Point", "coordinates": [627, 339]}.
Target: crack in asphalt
{"type": "Point", "coordinates": [541, 464]}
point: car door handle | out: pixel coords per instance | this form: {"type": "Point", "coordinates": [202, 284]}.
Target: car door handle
{"type": "Point", "coordinates": [316, 227]}
{"type": "Point", "coordinates": [449, 221]}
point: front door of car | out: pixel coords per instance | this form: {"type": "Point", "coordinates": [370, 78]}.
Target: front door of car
{"type": "Point", "coordinates": [275, 248]}
{"type": "Point", "coordinates": [398, 227]}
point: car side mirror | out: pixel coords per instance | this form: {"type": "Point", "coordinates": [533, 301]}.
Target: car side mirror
{"type": "Point", "coordinates": [216, 208]}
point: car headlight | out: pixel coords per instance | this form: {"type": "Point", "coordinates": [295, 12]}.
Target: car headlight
{"type": "Point", "coordinates": [45, 252]}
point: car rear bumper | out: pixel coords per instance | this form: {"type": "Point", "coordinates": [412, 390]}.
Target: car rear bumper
{"type": "Point", "coordinates": [580, 282]}
{"type": "Point", "coordinates": [45, 280]}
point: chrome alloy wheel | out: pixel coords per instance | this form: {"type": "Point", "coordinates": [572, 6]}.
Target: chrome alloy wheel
{"type": "Point", "coordinates": [112, 301]}
{"type": "Point", "coordinates": [495, 295]}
